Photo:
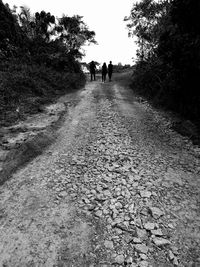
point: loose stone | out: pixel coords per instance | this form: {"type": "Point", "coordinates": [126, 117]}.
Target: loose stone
{"type": "Point", "coordinates": [143, 256]}
{"type": "Point", "coordinates": [108, 244]}
{"type": "Point", "coordinates": [174, 250]}
{"type": "Point", "coordinates": [119, 259]}
{"type": "Point", "coordinates": [141, 233]}
{"type": "Point", "coordinates": [105, 211]}
{"type": "Point", "coordinates": [129, 260]}
{"type": "Point", "coordinates": [149, 226]}
{"type": "Point", "coordinates": [131, 208]}
{"type": "Point", "coordinates": [156, 212]}
{"type": "Point", "coordinates": [141, 248]}
{"type": "Point", "coordinates": [161, 241]}
{"type": "Point", "coordinates": [170, 255]}
{"type": "Point", "coordinates": [157, 232]}
{"type": "Point", "coordinates": [135, 184]}
{"type": "Point", "coordinates": [143, 264]}
{"type": "Point", "coordinates": [175, 261]}
{"type": "Point", "coordinates": [118, 205]}
{"type": "Point", "coordinates": [98, 213]}
{"type": "Point", "coordinates": [146, 194]}
{"type": "Point", "coordinates": [137, 240]}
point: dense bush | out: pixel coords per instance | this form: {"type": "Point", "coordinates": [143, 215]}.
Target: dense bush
{"type": "Point", "coordinates": [168, 63]}
{"type": "Point", "coordinates": [39, 58]}
{"type": "Point", "coordinates": [27, 87]}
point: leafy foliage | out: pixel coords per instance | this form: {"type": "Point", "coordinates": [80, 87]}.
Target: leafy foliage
{"type": "Point", "coordinates": [29, 86]}
{"type": "Point", "coordinates": [11, 36]}
{"type": "Point", "coordinates": [39, 55]}
{"type": "Point", "coordinates": [74, 34]}
{"type": "Point", "coordinates": [167, 69]}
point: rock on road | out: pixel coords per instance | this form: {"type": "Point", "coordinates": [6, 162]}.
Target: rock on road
{"type": "Point", "coordinates": [117, 188]}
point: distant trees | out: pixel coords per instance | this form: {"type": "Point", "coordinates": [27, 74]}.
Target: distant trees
{"type": "Point", "coordinates": [120, 67]}
{"type": "Point", "coordinates": [167, 68]}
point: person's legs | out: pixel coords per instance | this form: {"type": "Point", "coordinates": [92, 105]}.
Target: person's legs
{"type": "Point", "coordinates": [105, 78]}
{"type": "Point", "coordinates": [110, 76]}
{"type": "Point", "coordinates": [91, 76]}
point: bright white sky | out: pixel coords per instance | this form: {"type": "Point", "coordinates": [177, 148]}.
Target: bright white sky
{"type": "Point", "coordinates": [105, 17]}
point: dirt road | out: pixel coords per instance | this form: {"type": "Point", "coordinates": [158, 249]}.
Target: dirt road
{"type": "Point", "coordinates": [117, 188]}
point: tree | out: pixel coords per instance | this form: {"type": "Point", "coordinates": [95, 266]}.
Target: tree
{"type": "Point", "coordinates": [74, 33]}
{"type": "Point", "coordinates": [168, 37]}
{"type": "Point", "coordinates": [146, 22]}
{"type": "Point", "coordinates": [11, 36]}
{"type": "Point", "coordinates": [42, 39]}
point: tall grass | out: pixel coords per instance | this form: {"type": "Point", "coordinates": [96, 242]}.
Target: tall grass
{"type": "Point", "coordinates": [26, 87]}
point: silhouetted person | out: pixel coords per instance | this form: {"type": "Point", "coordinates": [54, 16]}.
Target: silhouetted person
{"type": "Point", "coordinates": [104, 72]}
{"type": "Point", "coordinates": [110, 70]}
{"type": "Point", "coordinates": [92, 70]}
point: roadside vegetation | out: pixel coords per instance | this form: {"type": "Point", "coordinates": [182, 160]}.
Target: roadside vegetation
{"type": "Point", "coordinates": [167, 68]}
{"type": "Point", "coordinates": [39, 59]}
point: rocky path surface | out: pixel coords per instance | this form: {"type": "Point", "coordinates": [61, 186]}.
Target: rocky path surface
{"type": "Point", "coordinates": [117, 188]}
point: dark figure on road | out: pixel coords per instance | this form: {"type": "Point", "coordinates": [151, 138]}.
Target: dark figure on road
{"type": "Point", "coordinates": [92, 70]}
{"type": "Point", "coordinates": [110, 70]}
{"type": "Point", "coordinates": [104, 72]}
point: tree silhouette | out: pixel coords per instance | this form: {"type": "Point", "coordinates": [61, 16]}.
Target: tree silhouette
{"type": "Point", "coordinates": [167, 69]}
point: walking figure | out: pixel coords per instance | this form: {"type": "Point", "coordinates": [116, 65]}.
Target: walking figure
{"type": "Point", "coordinates": [92, 70]}
{"type": "Point", "coordinates": [110, 70]}
{"type": "Point", "coordinates": [104, 72]}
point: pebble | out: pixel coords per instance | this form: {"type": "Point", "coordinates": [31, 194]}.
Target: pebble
{"type": "Point", "coordinates": [108, 244]}
{"type": "Point", "coordinates": [146, 194]}
{"type": "Point", "coordinates": [156, 212]}
{"type": "Point", "coordinates": [149, 226]}
{"type": "Point", "coordinates": [129, 260]}
{"type": "Point", "coordinates": [98, 213]}
{"type": "Point", "coordinates": [157, 232]}
{"type": "Point", "coordinates": [107, 193]}
{"type": "Point", "coordinates": [175, 261]}
{"type": "Point", "coordinates": [170, 255]}
{"type": "Point", "coordinates": [105, 211]}
{"type": "Point", "coordinates": [137, 240]}
{"type": "Point", "coordinates": [143, 256]}
{"type": "Point", "coordinates": [119, 259]}
{"type": "Point", "coordinates": [135, 184]}
{"type": "Point", "coordinates": [141, 233]}
{"type": "Point", "coordinates": [131, 208]}
{"type": "Point", "coordinates": [137, 177]}
{"type": "Point", "coordinates": [119, 231]}
{"type": "Point", "coordinates": [170, 225]}
{"type": "Point", "coordinates": [141, 248]}
{"type": "Point", "coordinates": [118, 205]}
{"type": "Point", "coordinates": [143, 264]}
{"type": "Point", "coordinates": [158, 241]}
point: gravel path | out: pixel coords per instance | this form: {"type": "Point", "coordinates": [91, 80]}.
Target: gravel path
{"type": "Point", "coordinates": [117, 188]}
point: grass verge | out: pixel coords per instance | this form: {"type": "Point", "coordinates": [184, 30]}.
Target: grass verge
{"type": "Point", "coordinates": [24, 89]}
